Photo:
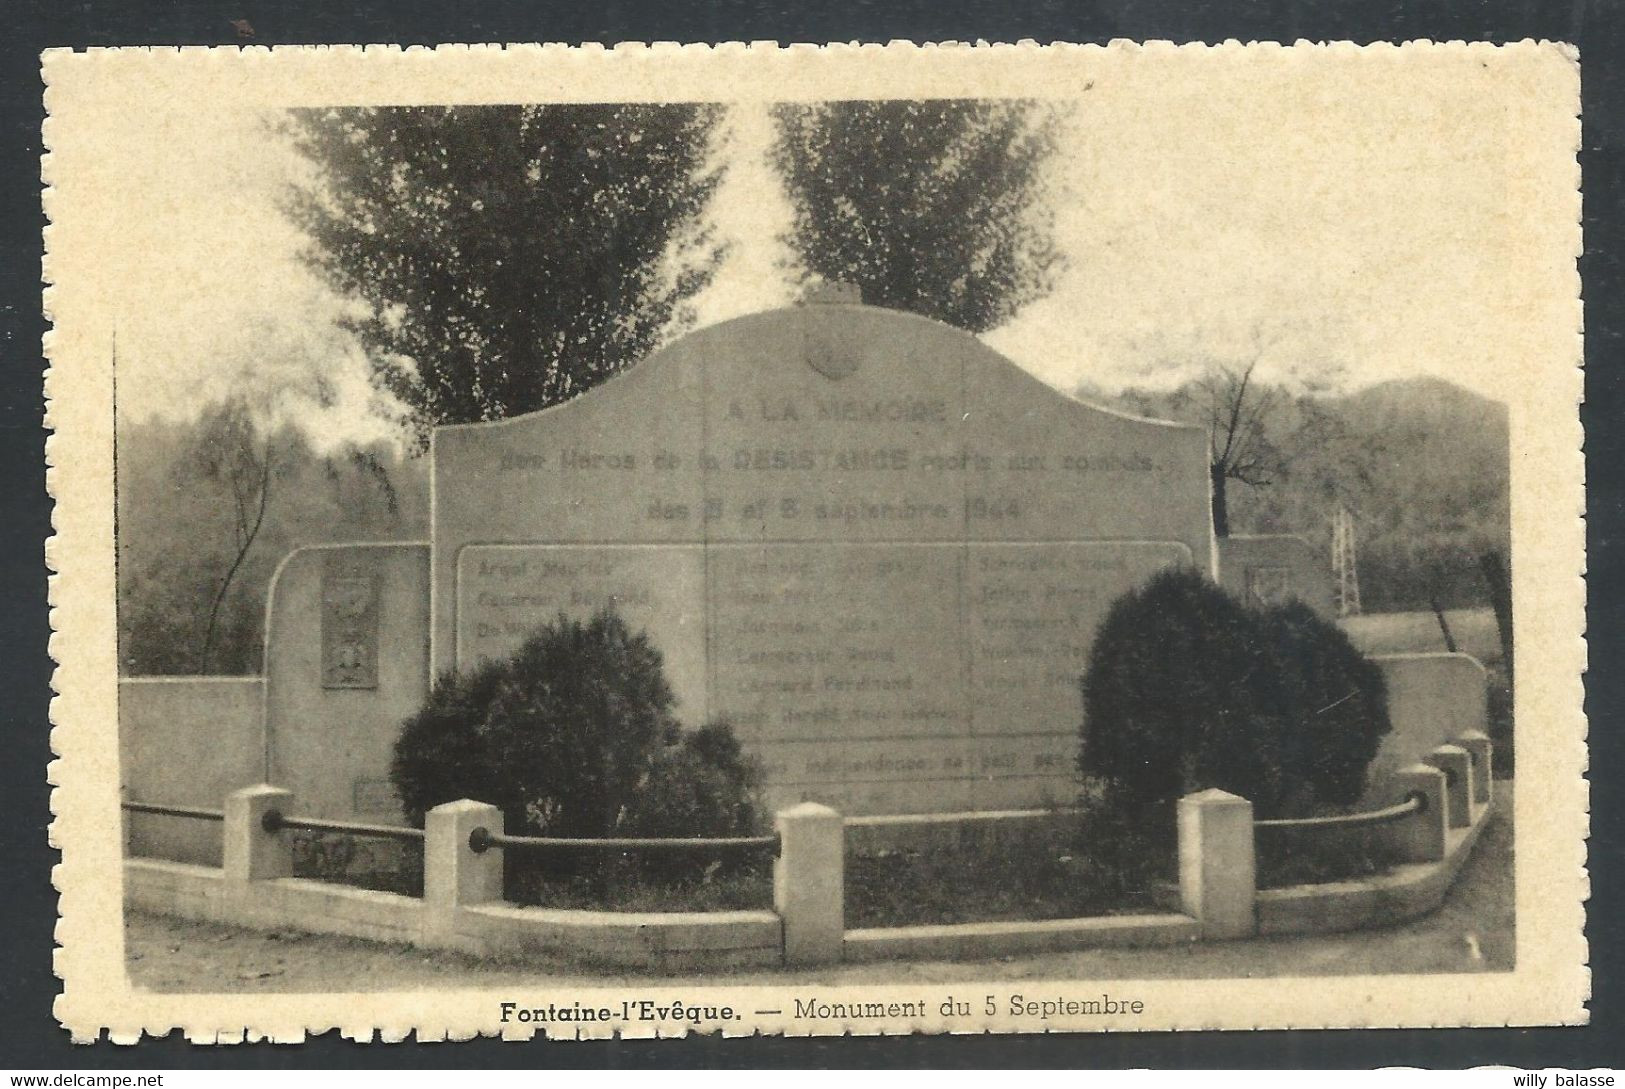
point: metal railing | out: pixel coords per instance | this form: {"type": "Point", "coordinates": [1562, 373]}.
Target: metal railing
{"type": "Point", "coordinates": [275, 821]}
{"type": "Point", "coordinates": [483, 839]}
{"type": "Point", "coordinates": [174, 811]}
{"type": "Point", "coordinates": [1415, 802]}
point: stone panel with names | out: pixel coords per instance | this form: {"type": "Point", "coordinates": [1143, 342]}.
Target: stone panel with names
{"type": "Point", "coordinates": [837, 642]}
{"type": "Point", "coordinates": [875, 546]}
{"type": "Point", "coordinates": [505, 591]}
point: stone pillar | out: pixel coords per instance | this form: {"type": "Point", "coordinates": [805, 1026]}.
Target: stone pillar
{"type": "Point", "coordinates": [1420, 837]}
{"type": "Point", "coordinates": [249, 852]}
{"type": "Point", "coordinates": [1482, 750]}
{"type": "Point", "coordinates": [454, 874]}
{"type": "Point", "coordinates": [809, 883]}
{"type": "Point", "coordinates": [1458, 769]}
{"type": "Point", "coordinates": [124, 821]}
{"type": "Point", "coordinates": [1217, 865]}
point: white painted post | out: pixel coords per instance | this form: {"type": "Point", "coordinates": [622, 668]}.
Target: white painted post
{"type": "Point", "coordinates": [809, 883]}
{"type": "Point", "coordinates": [1420, 837]}
{"type": "Point", "coordinates": [1482, 750]}
{"type": "Point", "coordinates": [250, 853]}
{"type": "Point", "coordinates": [454, 874]}
{"type": "Point", "coordinates": [1217, 865]}
{"type": "Point", "coordinates": [1458, 769]}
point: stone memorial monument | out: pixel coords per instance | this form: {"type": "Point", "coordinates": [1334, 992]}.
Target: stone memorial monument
{"type": "Point", "coordinates": [875, 546]}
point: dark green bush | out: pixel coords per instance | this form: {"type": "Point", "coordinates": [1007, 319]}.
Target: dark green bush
{"type": "Point", "coordinates": [703, 785]}
{"type": "Point", "coordinates": [574, 736]}
{"type": "Point", "coordinates": [1180, 694]}
{"type": "Point", "coordinates": [1334, 707]}
{"type": "Point", "coordinates": [1189, 689]}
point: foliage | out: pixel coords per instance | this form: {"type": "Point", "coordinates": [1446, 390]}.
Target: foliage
{"type": "Point", "coordinates": [507, 257]}
{"type": "Point", "coordinates": [1422, 464]}
{"type": "Point", "coordinates": [1499, 725]}
{"type": "Point", "coordinates": [231, 453]}
{"type": "Point", "coordinates": [1334, 704]}
{"type": "Point", "coordinates": [1188, 689]}
{"type": "Point", "coordinates": [1179, 696]}
{"type": "Point", "coordinates": [935, 207]}
{"type": "Point", "coordinates": [625, 883]}
{"type": "Point", "coordinates": [1314, 856]}
{"type": "Point", "coordinates": [574, 736]}
{"type": "Point", "coordinates": [1041, 874]}
{"type": "Point", "coordinates": [183, 491]}
{"type": "Point", "coordinates": [705, 781]}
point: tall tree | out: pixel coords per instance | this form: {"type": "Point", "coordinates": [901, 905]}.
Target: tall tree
{"type": "Point", "coordinates": [1256, 430]}
{"type": "Point", "coordinates": [936, 207]}
{"type": "Point", "coordinates": [233, 454]}
{"type": "Point", "coordinates": [189, 499]}
{"type": "Point", "coordinates": [1239, 446]}
{"type": "Point", "coordinates": [508, 257]}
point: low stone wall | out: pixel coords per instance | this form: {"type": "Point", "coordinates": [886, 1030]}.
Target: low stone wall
{"type": "Point", "coordinates": [1432, 698]}
{"type": "Point", "coordinates": [968, 941]}
{"type": "Point", "coordinates": [187, 741]}
{"type": "Point", "coordinates": [1272, 569]}
{"type": "Point", "coordinates": [331, 731]}
{"type": "Point", "coordinates": [462, 907]}
{"type": "Point", "coordinates": [662, 941]}
{"type": "Point", "coordinates": [202, 892]}
{"type": "Point", "coordinates": [1406, 892]}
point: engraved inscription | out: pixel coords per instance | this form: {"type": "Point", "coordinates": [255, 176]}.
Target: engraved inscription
{"type": "Point", "coordinates": [948, 672]}
{"type": "Point", "coordinates": [875, 548]}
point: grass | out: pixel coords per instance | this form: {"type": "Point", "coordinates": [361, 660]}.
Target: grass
{"type": "Point", "coordinates": [1026, 879]}
{"type": "Point", "coordinates": [983, 879]}
{"type": "Point", "coordinates": [1313, 856]}
{"type": "Point", "coordinates": [621, 884]}
{"type": "Point", "coordinates": [360, 862]}
{"type": "Point", "coordinates": [1406, 633]}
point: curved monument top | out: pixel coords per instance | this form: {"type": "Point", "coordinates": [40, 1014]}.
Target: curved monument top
{"type": "Point", "coordinates": [833, 335]}
{"type": "Point", "coordinates": [829, 448]}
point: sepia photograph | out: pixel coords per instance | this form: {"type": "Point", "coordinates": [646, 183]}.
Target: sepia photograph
{"type": "Point", "coordinates": [894, 541]}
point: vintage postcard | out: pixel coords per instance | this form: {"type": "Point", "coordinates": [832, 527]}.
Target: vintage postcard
{"type": "Point", "coordinates": [815, 540]}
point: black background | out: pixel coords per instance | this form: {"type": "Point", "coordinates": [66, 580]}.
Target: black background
{"type": "Point", "coordinates": [29, 1035]}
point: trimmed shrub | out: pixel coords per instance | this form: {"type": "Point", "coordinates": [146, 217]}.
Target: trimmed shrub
{"type": "Point", "coordinates": [703, 785]}
{"type": "Point", "coordinates": [574, 736]}
{"type": "Point", "coordinates": [1180, 695]}
{"type": "Point", "coordinates": [1189, 689]}
{"type": "Point", "coordinates": [1334, 708]}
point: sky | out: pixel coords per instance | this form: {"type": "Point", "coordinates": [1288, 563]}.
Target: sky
{"type": "Point", "coordinates": [1196, 221]}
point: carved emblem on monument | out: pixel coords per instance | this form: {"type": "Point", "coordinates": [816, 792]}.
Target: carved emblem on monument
{"type": "Point", "coordinates": [349, 631]}
{"type": "Point", "coordinates": [831, 349]}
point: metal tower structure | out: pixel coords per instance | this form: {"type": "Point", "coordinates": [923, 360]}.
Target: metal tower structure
{"type": "Point", "coordinates": [1348, 579]}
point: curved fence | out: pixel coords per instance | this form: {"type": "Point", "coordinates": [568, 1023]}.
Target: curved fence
{"type": "Point", "coordinates": [1415, 802]}
{"type": "Point", "coordinates": [1442, 807]}
{"type": "Point", "coordinates": [482, 839]}
{"type": "Point", "coordinates": [173, 811]}
{"type": "Point", "coordinates": [275, 821]}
